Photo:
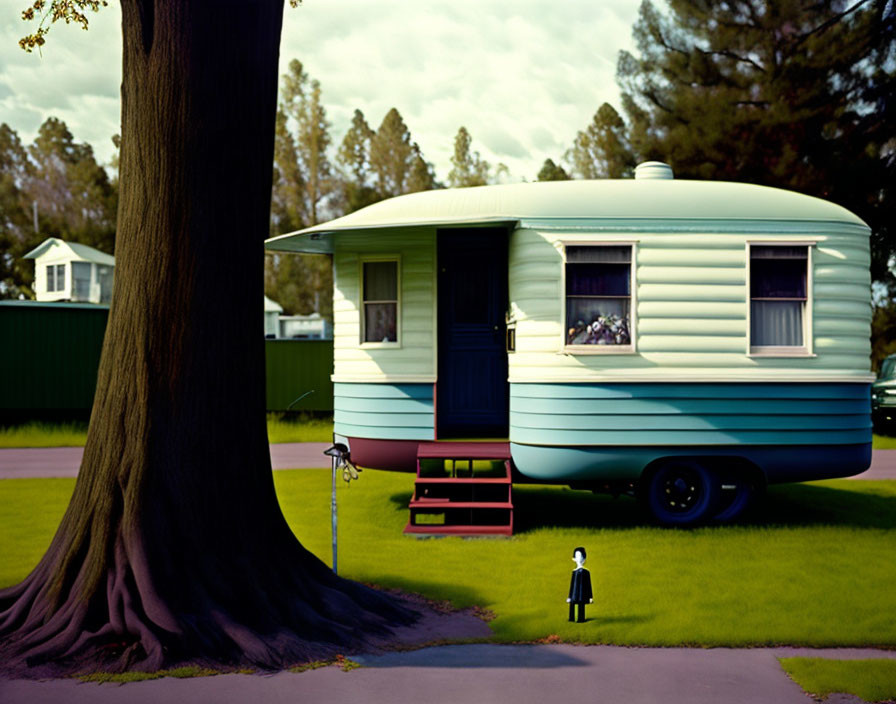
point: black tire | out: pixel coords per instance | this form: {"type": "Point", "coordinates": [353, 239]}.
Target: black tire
{"type": "Point", "coordinates": [737, 494]}
{"type": "Point", "coordinates": [682, 493]}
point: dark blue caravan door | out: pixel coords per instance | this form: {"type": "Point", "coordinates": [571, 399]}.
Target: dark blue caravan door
{"type": "Point", "coordinates": [472, 390]}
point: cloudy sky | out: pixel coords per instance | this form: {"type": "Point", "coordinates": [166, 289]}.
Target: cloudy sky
{"type": "Point", "coordinates": [523, 76]}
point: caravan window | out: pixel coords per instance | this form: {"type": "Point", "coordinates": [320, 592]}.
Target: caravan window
{"type": "Point", "coordinates": [379, 286]}
{"type": "Point", "coordinates": [599, 296]}
{"type": "Point", "coordinates": [779, 292]}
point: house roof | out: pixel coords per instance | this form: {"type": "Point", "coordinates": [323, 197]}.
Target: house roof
{"type": "Point", "coordinates": [559, 204]}
{"type": "Point", "coordinates": [271, 306]}
{"type": "Point", "coordinates": [75, 250]}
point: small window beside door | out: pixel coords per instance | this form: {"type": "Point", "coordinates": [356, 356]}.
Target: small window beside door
{"type": "Point", "coordinates": [599, 298]}
{"type": "Point", "coordinates": [779, 299]}
{"type": "Point", "coordinates": [379, 301]}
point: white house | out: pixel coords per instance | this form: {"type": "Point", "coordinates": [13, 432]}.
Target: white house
{"type": "Point", "coordinates": [69, 271]}
{"type": "Point", "coordinates": [305, 327]}
{"type": "Point", "coordinates": [272, 311]}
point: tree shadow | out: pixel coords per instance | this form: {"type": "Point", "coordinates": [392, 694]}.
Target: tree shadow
{"type": "Point", "coordinates": [815, 505]}
{"type": "Point", "coordinates": [790, 505]}
{"type": "Point", "coordinates": [624, 620]}
{"type": "Point", "coordinates": [452, 592]}
{"type": "Point", "coordinates": [477, 656]}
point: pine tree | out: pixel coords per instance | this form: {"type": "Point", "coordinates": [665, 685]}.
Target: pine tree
{"type": "Point", "coordinates": [776, 92]}
{"type": "Point", "coordinates": [551, 172]}
{"type": "Point", "coordinates": [602, 149]}
{"type": "Point", "coordinates": [421, 175]}
{"type": "Point", "coordinates": [468, 168]}
{"type": "Point", "coordinates": [310, 177]}
{"type": "Point", "coordinates": [353, 159]}
{"type": "Point", "coordinates": [396, 160]}
{"type": "Point", "coordinates": [304, 185]}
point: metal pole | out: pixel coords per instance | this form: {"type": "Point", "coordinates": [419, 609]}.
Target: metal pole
{"type": "Point", "coordinates": [333, 513]}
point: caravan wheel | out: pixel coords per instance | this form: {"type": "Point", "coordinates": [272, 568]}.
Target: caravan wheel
{"type": "Point", "coordinates": [682, 493]}
{"type": "Point", "coordinates": [738, 493]}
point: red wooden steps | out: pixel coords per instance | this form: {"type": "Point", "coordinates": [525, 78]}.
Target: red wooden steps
{"type": "Point", "coordinates": [459, 502]}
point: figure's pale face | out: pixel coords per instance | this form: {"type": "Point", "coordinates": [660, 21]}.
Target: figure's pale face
{"type": "Point", "coordinates": [578, 558]}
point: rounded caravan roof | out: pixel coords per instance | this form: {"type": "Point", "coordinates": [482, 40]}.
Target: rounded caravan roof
{"type": "Point", "coordinates": [658, 204]}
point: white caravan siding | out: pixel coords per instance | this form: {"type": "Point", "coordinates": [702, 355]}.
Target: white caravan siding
{"type": "Point", "coordinates": [413, 360]}
{"type": "Point", "coordinates": [692, 304]}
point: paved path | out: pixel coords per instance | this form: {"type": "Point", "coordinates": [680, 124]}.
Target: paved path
{"type": "Point", "coordinates": [480, 674]}
{"type": "Point", "coordinates": [64, 461]}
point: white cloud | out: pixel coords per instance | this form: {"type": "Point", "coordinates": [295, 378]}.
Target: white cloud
{"type": "Point", "coordinates": [523, 76]}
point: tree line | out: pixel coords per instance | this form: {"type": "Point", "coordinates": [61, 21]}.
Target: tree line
{"type": "Point", "coordinates": [779, 93]}
{"type": "Point", "coordinates": [772, 92]}
{"type": "Point", "coordinates": [55, 187]}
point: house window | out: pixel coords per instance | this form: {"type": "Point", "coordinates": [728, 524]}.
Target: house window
{"type": "Point", "coordinates": [81, 281]}
{"type": "Point", "coordinates": [379, 285]}
{"type": "Point", "coordinates": [779, 292]}
{"type": "Point", "coordinates": [599, 296]}
{"type": "Point", "coordinates": [104, 275]}
{"type": "Point", "coordinates": [55, 277]}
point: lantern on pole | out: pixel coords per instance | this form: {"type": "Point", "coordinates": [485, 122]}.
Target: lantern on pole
{"type": "Point", "coordinates": [341, 459]}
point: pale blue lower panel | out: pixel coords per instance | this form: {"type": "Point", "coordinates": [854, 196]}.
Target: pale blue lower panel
{"type": "Point", "coordinates": [785, 463]}
{"type": "Point", "coordinates": [384, 411]}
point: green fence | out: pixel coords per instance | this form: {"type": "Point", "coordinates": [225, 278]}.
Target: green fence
{"type": "Point", "coordinates": [50, 352]}
{"type": "Point", "coordinates": [298, 375]}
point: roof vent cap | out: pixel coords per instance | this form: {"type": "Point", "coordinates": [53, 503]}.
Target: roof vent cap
{"type": "Point", "coordinates": [652, 171]}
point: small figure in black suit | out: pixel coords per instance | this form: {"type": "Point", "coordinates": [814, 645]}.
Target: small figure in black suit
{"type": "Point", "coordinates": [579, 587]}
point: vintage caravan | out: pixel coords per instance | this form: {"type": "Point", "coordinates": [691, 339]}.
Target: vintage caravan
{"type": "Point", "coordinates": [689, 341]}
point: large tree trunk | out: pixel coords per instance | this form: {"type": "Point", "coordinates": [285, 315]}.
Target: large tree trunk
{"type": "Point", "coordinates": [174, 548]}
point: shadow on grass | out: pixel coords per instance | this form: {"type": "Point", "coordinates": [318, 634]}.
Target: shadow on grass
{"type": "Point", "coordinates": [791, 505]}
{"type": "Point", "coordinates": [439, 591]}
{"type": "Point", "coordinates": [483, 655]}
{"type": "Point", "coordinates": [812, 504]}
{"type": "Point", "coordinates": [612, 620]}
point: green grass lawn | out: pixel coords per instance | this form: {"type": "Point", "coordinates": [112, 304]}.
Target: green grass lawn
{"type": "Point", "coordinates": [305, 428]}
{"type": "Point", "coordinates": [44, 435]}
{"type": "Point", "coordinates": [884, 442]}
{"type": "Point", "coordinates": [302, 428]}
{"type": "Point", "coordinates": [814, 567]}
{"type": "Point", "coordinates": [872, 680]}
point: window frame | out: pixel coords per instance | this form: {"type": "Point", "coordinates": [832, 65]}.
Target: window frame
{"type": "Point", "coordinates": [806, 349]}
{"type": "Point", "coordinates": [90, 277]}
{"type": "Point", "coordinates": [54, 279]}
{"type": "Point", "coordinates": [362, 304]}
{"type": "Point", "coordinates": [630, 348]}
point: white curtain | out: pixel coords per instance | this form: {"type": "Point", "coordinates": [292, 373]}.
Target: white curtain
{"type": "Point", "coordinates": [776, 324]}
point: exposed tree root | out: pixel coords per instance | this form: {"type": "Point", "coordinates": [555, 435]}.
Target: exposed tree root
{"type": "Point", "coordinates": [290, 621]}
{"type": "Point", "coordinates": [173, 549]}
{"type": "Point", "coordinates": [253, 597]}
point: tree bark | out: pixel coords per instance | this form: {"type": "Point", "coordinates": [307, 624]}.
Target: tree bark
{"type": "Point", "coordinates": [174, 548]}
